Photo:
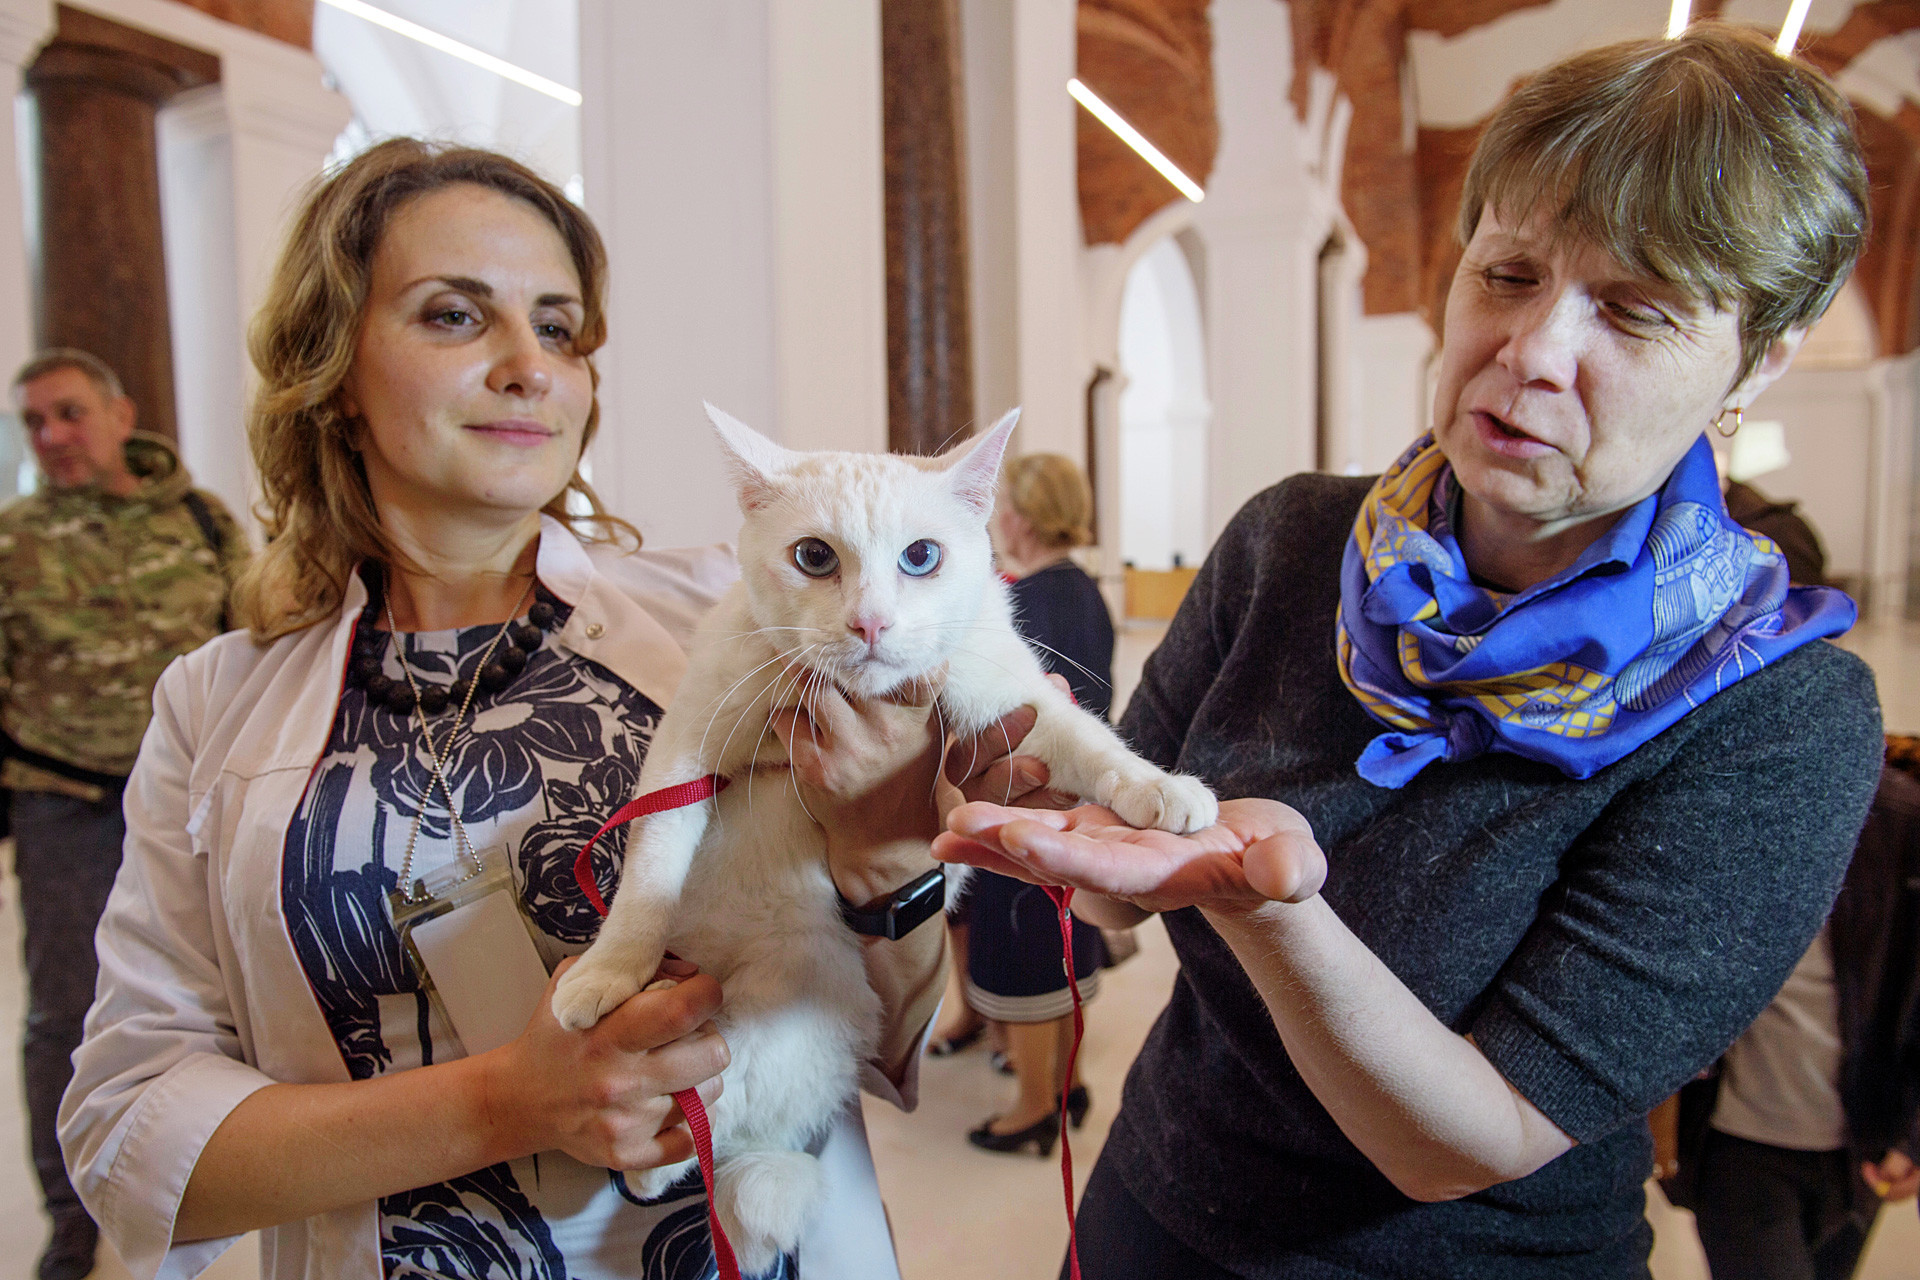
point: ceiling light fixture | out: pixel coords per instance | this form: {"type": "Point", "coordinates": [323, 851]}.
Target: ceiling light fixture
{"type": "Point", "coordinates": [1790, 29]}
{"type": "Point", "coordinates": [1677, 20]}
{"type": "Point", "coordinates": [465, 52]}
{"type": "Point", "coordinates": [1107, 116]}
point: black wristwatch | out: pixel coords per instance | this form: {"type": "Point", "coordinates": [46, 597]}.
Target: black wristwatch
{"type": "Point", "coordinates": [905, 910]}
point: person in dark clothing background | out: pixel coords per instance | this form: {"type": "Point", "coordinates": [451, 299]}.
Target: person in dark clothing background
{"type": "Point", "coordinates": [1013, 960]}
{"type": "Point", "coordinates": [1812, 1120]}
{"type": "Point", "coordinates": [1782, 522]}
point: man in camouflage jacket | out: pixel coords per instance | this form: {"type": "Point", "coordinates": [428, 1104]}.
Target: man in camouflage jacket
{"type": "Point", "coordinates": [109, 572]}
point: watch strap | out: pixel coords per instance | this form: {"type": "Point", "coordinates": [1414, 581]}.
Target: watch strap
{"type": "Point", "coordinates": [901, 912]}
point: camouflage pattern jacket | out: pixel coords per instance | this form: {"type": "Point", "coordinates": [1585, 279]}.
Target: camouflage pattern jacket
{"type": "Point", "coordinates": [97, 595]}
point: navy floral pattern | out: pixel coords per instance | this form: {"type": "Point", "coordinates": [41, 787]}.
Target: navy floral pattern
{"type": "Point", "coordinates": [541, 766]}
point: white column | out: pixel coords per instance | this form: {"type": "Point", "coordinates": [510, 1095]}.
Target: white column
{"type": "Point", "coordinates": [1392, 354]}
{"type": "Point", "coordinates": [284, 122]}
{"type": "Point", "coordinates": [1268, 210]}
{"type": "Point", "coordinates": [1894, 397]}
{"type": "Point", "coordinates": [203, 292]}
{"type": "Point", "coordinates": [986, 42]}
{"type": "Point", "coordinates": [24, 26]}
{"type": "Point", "coordinates": [1053, 367]}
{"type": "Point", "coordinates": [733, 163]}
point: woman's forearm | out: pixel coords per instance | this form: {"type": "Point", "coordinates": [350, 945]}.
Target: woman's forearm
{"type": "Point", "coordinates": [1419, 1101]}
{"type": "Point", "coordinates": [290, 1151]}
{"type": "Point", "coordinates": [909, 975]}
{"type": "Point", "coordinates": [1106, 913]}
{"type": "Point", "coordinates": [602, 1096]}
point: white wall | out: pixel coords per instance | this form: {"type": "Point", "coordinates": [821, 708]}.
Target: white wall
{"type": "Point", "coordinates": [1392, 354]}
{"type": "Point", "coordinates": [1459, 80]}
{"type": "Point", "coordinates": [732, 160]}
{"type": "Point", "coordinates": [1832, 420]}
{"type": "Point", "coordinates": [1163, 413]}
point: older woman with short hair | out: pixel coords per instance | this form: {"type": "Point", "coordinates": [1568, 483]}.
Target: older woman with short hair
{"type": "Point", "coordinates": [1538, 775]}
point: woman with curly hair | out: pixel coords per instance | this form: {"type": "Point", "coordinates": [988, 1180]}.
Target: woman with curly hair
{"type": "Point", "coordinates": [455, 662]}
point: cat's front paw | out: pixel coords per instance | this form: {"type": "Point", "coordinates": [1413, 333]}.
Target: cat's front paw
{"type": "Point", "coordinates": [591, 989]}
{"type": "Point", "coordinates": [1166, 802]}
{"type": "Point", "coordinates": [651, 1184]}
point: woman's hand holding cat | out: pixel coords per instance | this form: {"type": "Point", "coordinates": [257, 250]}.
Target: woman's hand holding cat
{"type": "Point", "coordinates": [1260, 851]}
{"type": "Point", "coordinates": [871, 773]}
{"type": "Point", "coordinates": [866, 769]}
{"type": "Point", "coordinates": [604, 1095]}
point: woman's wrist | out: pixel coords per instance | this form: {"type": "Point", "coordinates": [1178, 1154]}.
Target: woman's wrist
{"type": "Point", "coordinates": [1263, 916]}
{"type": "Point", "coordinates": [506, 1118]}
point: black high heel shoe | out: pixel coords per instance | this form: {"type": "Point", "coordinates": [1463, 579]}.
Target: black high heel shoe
{"type": "Point", "coordinates": [1078, 1103]}
{"type": "Point", "coordinates": [1042, 1133]}
{"type": "Point", "coordinates": [947, 1046]}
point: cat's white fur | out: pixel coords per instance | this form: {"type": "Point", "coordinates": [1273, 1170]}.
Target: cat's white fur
{"type": "Point", "coordinates": [739, 885]}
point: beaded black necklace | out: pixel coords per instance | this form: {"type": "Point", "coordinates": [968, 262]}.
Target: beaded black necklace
{"type": "Point", "coordinates": [521, 641]}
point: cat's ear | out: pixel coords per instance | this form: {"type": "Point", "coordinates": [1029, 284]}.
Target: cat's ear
{"type": "Point", "coordinates": [752, 459]}
{"type": "Point", "coordinates": [974, 469]}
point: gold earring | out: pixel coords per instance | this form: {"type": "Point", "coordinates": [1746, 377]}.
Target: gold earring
{"type": "Point", "coordinates": [1739, 416]}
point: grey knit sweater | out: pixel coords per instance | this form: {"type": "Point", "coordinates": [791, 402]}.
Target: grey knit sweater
{"type": "Point", "coordinates": [1602, 940]}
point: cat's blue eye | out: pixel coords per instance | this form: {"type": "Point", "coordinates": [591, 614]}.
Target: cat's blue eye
{"type": "Point", "coordinates": [815, 558]}
{"type": "Point", "coordinates": [920, 559]}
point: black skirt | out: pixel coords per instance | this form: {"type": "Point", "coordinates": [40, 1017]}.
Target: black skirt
{"type": "Point", "coordinates": [1014, 961]}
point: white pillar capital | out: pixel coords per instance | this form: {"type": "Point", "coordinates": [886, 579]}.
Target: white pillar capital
{"type": "Point", "coordinates": [279, 96]}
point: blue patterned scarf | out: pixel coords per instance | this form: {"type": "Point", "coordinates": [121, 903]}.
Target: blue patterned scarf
{"type": "Point", "coordinates": [1671, 605]}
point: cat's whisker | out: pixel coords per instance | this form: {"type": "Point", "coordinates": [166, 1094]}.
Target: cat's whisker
{"type": "Point", "coordinates": [1030, 642]}
{"type": "Point", "coordinates": [807, 695]}
{"type": "Point", "coordinates": [784, 673]}
{"type": "Point", "coordinates": [940, 719]}
{"type": "Point", "coordinates": [715, 707]}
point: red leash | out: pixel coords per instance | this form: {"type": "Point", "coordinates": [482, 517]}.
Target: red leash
{"type": "Point", "coordinates": [1063, 898]}
{"type": "Point", "coordinates": [690, 1105]}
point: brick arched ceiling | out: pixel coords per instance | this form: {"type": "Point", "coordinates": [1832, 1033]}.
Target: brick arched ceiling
{"type": "Point", "coordinates": [1389, 190]}
{"type": "Point", "coordinates": [288, 20]}
{"type": "Point", "coordinates": [1152, 61]}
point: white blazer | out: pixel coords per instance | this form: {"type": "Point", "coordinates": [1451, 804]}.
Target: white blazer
{"type": "Point", "coordinates": [201, 997]}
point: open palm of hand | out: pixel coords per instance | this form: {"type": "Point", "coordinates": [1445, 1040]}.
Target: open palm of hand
{"type": "Point", "coordinates": [1259, 851]}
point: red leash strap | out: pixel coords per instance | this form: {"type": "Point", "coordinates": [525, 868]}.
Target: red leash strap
{"type": "Point", "coordinates": [653, 802]}
{"type": "Point", "coordinates": [696, 1115]}
{"type": "Point", "coordinates": [1062, 899]}
{"type": "Point", "coordinates": [690, 1105]}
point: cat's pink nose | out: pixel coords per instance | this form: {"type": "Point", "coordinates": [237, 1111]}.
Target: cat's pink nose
{"type": "Point", "coordinates": [869, 628]}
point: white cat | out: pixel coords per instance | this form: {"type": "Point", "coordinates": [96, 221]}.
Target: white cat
{"type": "Point", "coordinates": [868, 571]}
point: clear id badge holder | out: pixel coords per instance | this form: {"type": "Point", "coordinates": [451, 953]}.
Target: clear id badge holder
{"type": "Point", "coordinates": [468, 940]}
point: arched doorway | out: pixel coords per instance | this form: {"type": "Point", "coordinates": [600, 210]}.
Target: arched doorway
{"type": "Point", "coordinates": [1163, 412]}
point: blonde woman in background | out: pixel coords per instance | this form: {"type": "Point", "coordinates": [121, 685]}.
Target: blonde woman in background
{"type": "Point", "coordinates": [1012, 957]}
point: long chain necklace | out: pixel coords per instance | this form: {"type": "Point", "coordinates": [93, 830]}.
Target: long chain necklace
{"type": "Point", "coordinates": [437, 757]}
